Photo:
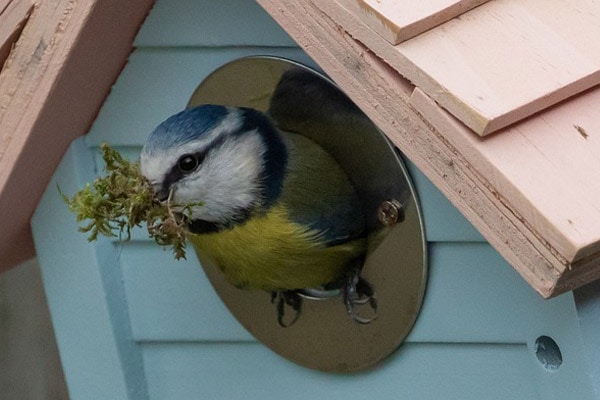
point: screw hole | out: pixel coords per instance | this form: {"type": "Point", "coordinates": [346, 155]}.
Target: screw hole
{"type": "Point", "coordinates": [548, 353]}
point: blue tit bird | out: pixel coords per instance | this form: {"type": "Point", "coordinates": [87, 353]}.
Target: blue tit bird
{"type": "Point", "coordinates": [272, 209]}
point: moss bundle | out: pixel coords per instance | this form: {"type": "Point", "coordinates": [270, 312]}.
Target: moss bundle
{"type": "Point", "coordinates": [122, 199]}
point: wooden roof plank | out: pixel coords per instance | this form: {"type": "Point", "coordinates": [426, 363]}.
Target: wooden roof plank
{"type": "Point", "coordinates": [498, 63]}
{"type": "Point", "coordinates": [397, 21]}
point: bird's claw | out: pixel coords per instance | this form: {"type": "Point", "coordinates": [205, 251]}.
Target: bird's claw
{"type": "Point", "coordinates": [290, 298]}
{"type": "Point", "coordinates": [358, 292]}
{"type": "Point", "coordinates": [355, 291]}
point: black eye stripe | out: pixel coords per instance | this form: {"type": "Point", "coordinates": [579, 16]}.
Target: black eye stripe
{"type": "Point", "coordinates": [175, 173]}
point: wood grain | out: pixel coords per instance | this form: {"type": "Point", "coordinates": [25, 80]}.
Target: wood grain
{"type": "Point", "coordinates": [540, 166]}
{"type": "Point", "coordinates": [498, 63]}
{"type": "Point", "coordinates": [3, 5]}
{"type": "Point", "coordinates": [397, 21]}
{"type": "Point", "coordinates": [551, 261]}
{"type": "Point", "coordinates": [13, 15]}
{"type": "Point", "coordinates": [51, 88]}
{"type": "Point", "coordinates": [536, 167]}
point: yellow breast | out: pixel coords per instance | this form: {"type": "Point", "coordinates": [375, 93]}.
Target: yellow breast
{"type": "Point", "coordinates": [271, 252]}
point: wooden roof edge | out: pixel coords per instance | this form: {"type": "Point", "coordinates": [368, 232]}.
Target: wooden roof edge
{"type": "Point", "coordinates": [53, 84]}
{"type": "Point", "coordinates": [384, 95]}
{"type": "Point", "coordinates": [571, 248]}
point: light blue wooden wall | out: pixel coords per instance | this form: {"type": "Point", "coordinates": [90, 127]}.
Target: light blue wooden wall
{"type": "Point", "coordinates": [132, 323]}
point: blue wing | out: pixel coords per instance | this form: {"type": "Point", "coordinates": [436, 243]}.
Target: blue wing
{"type": "Point", "coordinates": [317, 193]}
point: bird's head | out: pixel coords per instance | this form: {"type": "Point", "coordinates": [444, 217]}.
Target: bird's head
{"type": "Point", "coordinates": [230, 160]}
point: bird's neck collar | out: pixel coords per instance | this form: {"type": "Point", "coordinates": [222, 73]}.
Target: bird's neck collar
{"type": "Point", "coordinates": [200, 226]}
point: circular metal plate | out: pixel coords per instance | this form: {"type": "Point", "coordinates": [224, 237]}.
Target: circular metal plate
{"type": "Point", "coordinates": [325, 337]}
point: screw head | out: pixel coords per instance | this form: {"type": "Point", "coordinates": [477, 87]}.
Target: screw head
{"type": "Point", "coordinates": [390, 212]}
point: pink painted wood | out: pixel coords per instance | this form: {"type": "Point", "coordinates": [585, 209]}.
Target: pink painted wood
{"type": "Point", "coordinates": [541, 169]}
{"type": "Point", "coordinates": [52, 86]}
{"type": "Point", "coordinates": [13, 15]}
{"type": "Point", "coordinates": [397, 21]}
{"type": "Point", "coordinates": [497, 63]}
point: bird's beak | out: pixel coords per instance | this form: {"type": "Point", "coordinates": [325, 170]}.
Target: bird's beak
{"type": "Point", "coordinates": [161, 193]}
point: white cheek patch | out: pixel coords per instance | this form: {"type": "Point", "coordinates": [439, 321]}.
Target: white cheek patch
{"type": "Point", "coordinates": [227, 181]}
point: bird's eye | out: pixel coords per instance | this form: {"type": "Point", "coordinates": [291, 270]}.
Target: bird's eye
{"type": "Point", "coordinates": [187, 163]}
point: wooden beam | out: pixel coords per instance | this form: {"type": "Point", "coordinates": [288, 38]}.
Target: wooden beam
{"type": "Point", "coordinates": [552, 260]}
{"type": "Point", "coordinates": [51, 88]}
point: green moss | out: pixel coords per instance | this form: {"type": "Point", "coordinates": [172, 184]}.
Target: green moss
{"type": "Point", "coordinates": [122, 199]}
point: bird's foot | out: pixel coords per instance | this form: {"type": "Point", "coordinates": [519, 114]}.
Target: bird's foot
{"type": "Point", "coordinates": [290, 298]}
{"type": "Point", "coordinates": [357, 292]}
